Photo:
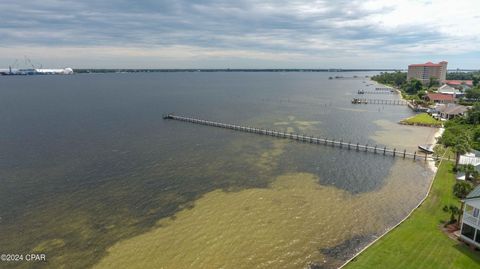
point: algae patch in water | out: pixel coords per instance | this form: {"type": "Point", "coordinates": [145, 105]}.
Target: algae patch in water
{"type": "Point", "coordinates": [283, 226]}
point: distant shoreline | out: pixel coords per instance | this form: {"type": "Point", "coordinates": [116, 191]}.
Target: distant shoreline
{"type": "Point", "coordinates": [146, 70]}
{"type": "Point", "coordinates": [266, 70]}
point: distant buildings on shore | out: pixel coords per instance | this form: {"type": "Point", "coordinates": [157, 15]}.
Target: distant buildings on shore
{"type": "Point", "coordinates": [424, 72]}
{"type": "Point", "coordinates": [36, 71]}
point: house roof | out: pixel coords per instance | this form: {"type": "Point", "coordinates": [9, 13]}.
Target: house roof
{"type": "Point", "coordinates": [474, 194]}
{"type": "Point", "coordinates": [429, 64]}
{"type": "Point", "coordinates": [459, 82]}
{"type": "Point", "coordinates": [448, 90]}
{"type": "Point", "coordinates": [465, 159]}
{"type": "Point", "coordinates": [451, 109]}
{"type": "Point", "coordinates": [456, 110]}
{"type": "Point", "coordinates": [440, 97]}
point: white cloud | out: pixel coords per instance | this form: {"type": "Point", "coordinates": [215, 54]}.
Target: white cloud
{"type": "Point", "coordinates": [244, 32]}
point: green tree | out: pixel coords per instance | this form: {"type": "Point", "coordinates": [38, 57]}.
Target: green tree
{"type": "Point", "coordinates": [453, 210]}
{"type": "Point", "coordinates": [413, 86]}
{"type": "Point", "coordinates": [462, 75]}
{"type": "Point", "coordinates": [475, 80]}
{"type": "Point", "coordinates": [421, 94]}
{"type": "Point", "coordinates": [476, 134]}
{"type": "Point", "coordinates": [461, 189]}
{"type": "Point", "coordinates": [473, 93]}
{"type": "Point", "coordinates": [394, 78]}
{"type": "Point", "coordinates": [473, 115]}
{"type": "Point", "coordinates": [434, 82]}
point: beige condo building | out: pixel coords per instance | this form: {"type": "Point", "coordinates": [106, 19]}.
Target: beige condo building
{"type": "Point", "coordinates": [424, 72]}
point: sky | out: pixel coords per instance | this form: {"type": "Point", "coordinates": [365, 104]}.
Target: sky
{"type": "Point", "coordinates": [240, 33]}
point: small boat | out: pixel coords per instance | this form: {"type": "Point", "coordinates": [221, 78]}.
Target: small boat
{"type": "Point", "coordinates": [359, 101]}
{"type": "Point", "coordinates": [426, 148]}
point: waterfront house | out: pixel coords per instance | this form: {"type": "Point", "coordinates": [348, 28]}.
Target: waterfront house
{"type": "Point", "coordinates": [440, 98]}
{"type": "Point", "coordinates": [470, 227]}
{"type": "Point", "coordinates": [449, 111]}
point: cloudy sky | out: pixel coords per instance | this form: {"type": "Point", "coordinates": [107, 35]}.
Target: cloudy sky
{"type": "Point", "coordinates": [241, 33]}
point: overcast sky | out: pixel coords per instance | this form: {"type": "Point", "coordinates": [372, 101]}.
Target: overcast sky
{"type": "Point", "coordinates": [240, 34]}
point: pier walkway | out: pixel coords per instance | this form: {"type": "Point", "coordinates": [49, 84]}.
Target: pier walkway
{"type": "Point", "coordinates": [307, 139]}
{"type": "Point", "coordinates": [384, 89]}
{"type": "Point", "coordinates": [398, 102]}
{"type": "Point", "coordinates": [376, 92]}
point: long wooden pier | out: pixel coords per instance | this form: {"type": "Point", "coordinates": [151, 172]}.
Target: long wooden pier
{"type": "Point", "coordinates": [376, 149]}
{"type": "Point", "coordinates": [398, 102]}
{"type": "Point", "coordinates": [376, 92]}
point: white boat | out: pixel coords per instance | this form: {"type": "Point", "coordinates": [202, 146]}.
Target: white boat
{"type": "Point", "coordinates": [426, 148]}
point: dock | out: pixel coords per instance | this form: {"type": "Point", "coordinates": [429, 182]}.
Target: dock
{"type": "Point", "coordinates": [398, 102]}
{"type": "Point", "coordinates": [355, 147]}
{"type": "Point", "coordinates": [376, 92]}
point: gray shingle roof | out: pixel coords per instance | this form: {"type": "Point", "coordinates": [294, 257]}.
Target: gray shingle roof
{"type": "Point", "coordinates": [474, 194]}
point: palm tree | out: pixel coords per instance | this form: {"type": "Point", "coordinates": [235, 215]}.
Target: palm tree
{"type": "Point", "coordinates": [453, 210]}
{"type": "Point", "coordinates": [461, 189]}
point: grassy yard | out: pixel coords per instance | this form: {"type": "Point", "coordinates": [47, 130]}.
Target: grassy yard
{"type": "Point", "coordinates": [419, 242]}
{"type": "Point", "coordinates": [422, 119]}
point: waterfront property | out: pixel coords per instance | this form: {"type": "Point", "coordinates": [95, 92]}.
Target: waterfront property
{"type": "Point", "coordinates": [419, 242]}
{"type": "Point", "coordinates": [449, 111]}
{"type": "Point", "coordinates": [440, 98]}
{"type": "Point", "coordinates": [424, 72]}
{"type": "Point", "coordinates": [422, 119]}
{"type": "Point", "coordinates": [470, 231]}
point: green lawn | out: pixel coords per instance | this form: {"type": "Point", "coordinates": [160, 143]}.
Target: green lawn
{"type": "Point", "coordinates": [422, 119]}
{"type": "Point", "coordinates": [419, 242]}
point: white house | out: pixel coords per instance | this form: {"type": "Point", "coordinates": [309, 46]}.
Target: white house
{"type": "Point", "coordinates": [470, 231]}
{"type": "Point", "coordinates": [446, 89]}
